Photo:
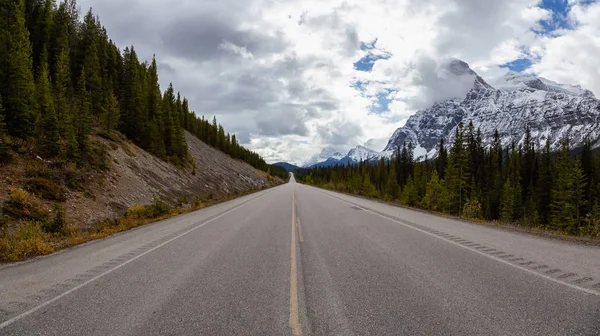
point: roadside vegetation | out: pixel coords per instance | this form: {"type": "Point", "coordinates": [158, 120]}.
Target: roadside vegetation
{"type": "Point", "coordinates": [530, 187]}
{"type": "Point", "coordinates": [42, 232]}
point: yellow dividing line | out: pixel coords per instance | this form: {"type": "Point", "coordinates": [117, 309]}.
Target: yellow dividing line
{"type": "Point", "coordinates": [300, 235]}
{"type": "Point", "coordinates": [294, 315]}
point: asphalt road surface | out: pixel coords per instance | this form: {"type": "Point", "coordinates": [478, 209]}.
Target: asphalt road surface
{"type": "Point", "coordinates": [296, 260]}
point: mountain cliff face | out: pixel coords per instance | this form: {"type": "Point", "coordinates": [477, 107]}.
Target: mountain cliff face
{"type": "Point", "coordinates": [509, 104]}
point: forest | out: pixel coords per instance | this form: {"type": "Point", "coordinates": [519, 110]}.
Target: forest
{"type": "Point", "coordinates": [519, 184]}
{"type": "Point", "coordinates": [62, 80]}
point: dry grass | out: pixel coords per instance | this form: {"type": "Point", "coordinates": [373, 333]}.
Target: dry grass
{"type": "Point", "coordinates": [29, 238]}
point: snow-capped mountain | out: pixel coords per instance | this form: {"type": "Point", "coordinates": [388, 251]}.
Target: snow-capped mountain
{"type": "Point", "coordinates": [358, 154]}
{"type": "Point", "coordinates": [325, 155]}
{"type": "Point", "coordinates": [354, 156]}
{"type": "Point", "coordinates": [508, 104]}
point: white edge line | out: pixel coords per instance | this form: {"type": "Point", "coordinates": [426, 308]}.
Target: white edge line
{"type": "Point", "coordinates": [33, 310]}
{"type": "Point", "coordinates": [589, 291]}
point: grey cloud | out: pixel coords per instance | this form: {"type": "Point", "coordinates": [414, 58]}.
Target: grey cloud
{"type": "Point", "coordinates": [340, 134]}
{"type": "Point", "coordinates": [198, 38]}
{"type": "Point", "coordinates": [437, 82]}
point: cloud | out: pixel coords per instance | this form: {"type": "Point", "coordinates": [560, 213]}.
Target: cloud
{"type": "Point", "coordinates": [281, 74]}
{"type": "Point", "coordinates": [571, 55]}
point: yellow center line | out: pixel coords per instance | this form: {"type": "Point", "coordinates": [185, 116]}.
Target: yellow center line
{"type": "Point", "coordinates": [300, 235]}
{"type": "Point", "coordinates": [294, 316]}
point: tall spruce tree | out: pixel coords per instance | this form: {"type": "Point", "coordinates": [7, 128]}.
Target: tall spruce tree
{"type": "Point", "coordinates": [17, 85]}
{"type": "Point", "coordinates": [48, 130]}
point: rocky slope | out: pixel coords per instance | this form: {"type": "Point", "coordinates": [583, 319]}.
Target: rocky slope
{"type": "Point", "coordinates": [551, 110]}
{"type": "Point", "coordinates": [136, 177]}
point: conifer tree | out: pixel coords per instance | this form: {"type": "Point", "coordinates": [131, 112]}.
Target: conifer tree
{"type": "Point", "coordinates": [83, 118]}
{"type": "Point", "coordinates": [49, 137]}
{"type": "Point", "coordinates": [16, 77]}
{"type": "Point", "coordinates": [563, 210]}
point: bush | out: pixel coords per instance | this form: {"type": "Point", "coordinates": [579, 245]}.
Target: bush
{"type": "Point", "coordinates": [45, 188]}
{"type": "Point", "coordinates": [28, 240]}
{"type": "Point", "coordinates": [157, 209]}
{"type": "Point", "coordinates": [57, 225]}
{"type": "Point", "coordinates": [20, 205]}
{"type": "Point", "coordinates": [61, 173]}
{"type": "Point", "coordinates": [472, 209]}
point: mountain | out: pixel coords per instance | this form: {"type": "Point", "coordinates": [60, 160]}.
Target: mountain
{"type": "Point", "coordinates": [287, 166]}
{"type": "Point", "coordinates": [358, 154]}
{"type": "Point", "coordinates": [354, 156]}
{"type": "Point", "coordinates": [329, 155]}
{"type": "Point", "coordinates": [508, 104]}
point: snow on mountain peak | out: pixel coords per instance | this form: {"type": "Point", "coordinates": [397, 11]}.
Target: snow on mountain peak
{"type": "Point", "coordinates": [508, 104]}
{"type": "Point", "coordinates": [361, 153]}
{"type": "Point", "coordinates": [326, 153]}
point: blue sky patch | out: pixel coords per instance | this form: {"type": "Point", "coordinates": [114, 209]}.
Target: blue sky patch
{"type": "Point", "coordinates": [560, 11]}
{"type": "Point", "coordinates": [517, 65]}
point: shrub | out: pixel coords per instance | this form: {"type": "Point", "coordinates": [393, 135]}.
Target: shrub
{"type": "Point", "coordinates": [157, 209]}
{"type": "Point", "coordinates": [472, 209]}
{"type": "Point", "coordinates": [28, 240]}
{"type": "Point", "coordinates": [45, 188]}
{"type": "Point", "coordinates": [20, 205]}
{"type": "Point", "coordinates": [56, 225]}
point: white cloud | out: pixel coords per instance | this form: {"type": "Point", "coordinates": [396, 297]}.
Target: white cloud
{"type": "Point", "coordinates": [571, 57]}
{"type": "Point", "coordinates": [280, 74]}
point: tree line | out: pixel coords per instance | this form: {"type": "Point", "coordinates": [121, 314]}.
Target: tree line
{"type": "Point", "coordinates": [62, 78]}
{"type": "Point", "coordinates": [522, 184]}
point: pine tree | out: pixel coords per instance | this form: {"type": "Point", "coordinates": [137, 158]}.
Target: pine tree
{"type": "Point", "coordinates": [392, 186]}
{"type": "Point", "coordinates": [83, 118]}
{"type": "Point", "coordinates": [16, 77]}
{"type": "Point", "coordinates": [112, 114]}
{"type": "Point", "coordinates": [435, 195]}
{"type": "Point", "coordinates": [49, 137]}
{"type": "Point", "coordinates": [563, 210]}
{"type": "Point", "coordinates": [508, 204]}
{"type": "Point", "coordinates": [457, 173]}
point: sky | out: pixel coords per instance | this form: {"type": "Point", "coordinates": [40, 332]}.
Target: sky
{"type": "Point", "coordinates": [290, 78]}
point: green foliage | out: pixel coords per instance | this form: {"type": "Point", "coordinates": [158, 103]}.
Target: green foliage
{"type": "Point", "coordinates": [17, 86]}
{"type": "Point", "coordinates": [48, 130]}
{"type": "Point", "coordinates": [436, 197]}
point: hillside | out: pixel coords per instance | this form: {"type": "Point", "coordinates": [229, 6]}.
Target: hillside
{"type": "Point", "coordinates": [47, 205]}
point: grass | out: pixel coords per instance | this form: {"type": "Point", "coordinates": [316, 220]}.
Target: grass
{"type": "Point", "coordinates": [21, 205]}
{"type": "Point", "coordinates": [34, 238]}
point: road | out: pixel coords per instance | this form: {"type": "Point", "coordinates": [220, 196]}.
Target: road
{"type": "Point", "coordinates": [296, 260]}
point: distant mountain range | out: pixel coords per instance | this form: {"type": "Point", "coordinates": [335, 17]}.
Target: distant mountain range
{"type": "Point", "coordinates": [330, 157]}
{"type": "Point", "coordinates": [287, 166]}
{"type": "Point", "coordinates": [508, 104]}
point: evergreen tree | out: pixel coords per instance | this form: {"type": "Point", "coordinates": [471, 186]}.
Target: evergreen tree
{"type": "Point", "coordinates": [83, 118]}
{"type": "Point", "coordinates": [16, 78]}
{"type": "Point", "coordinates": [507, 208]}
{"type": "Point", "coordinates": [49, 137]}
{"type": "Point", "coordinates": [442, 160]}
{"type": "Point", "coordinates": [563, 209]}
{"type": "Point", "coordinates": [435, 194]}
{"type": "Point", "coordinates": [457, 173]}
{"type": "Point", "coordinates": [392, 186]}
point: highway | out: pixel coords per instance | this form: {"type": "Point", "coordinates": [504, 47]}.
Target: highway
{"type": "Point", "coordinates": [297, 260]}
